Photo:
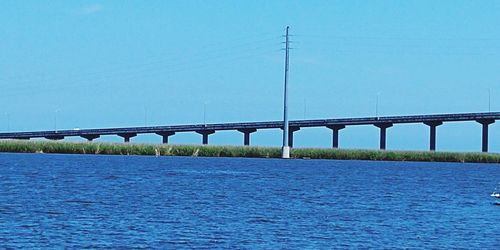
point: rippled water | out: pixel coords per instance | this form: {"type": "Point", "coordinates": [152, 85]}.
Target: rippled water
{"type": "Point", "coordinates": [76, 201]}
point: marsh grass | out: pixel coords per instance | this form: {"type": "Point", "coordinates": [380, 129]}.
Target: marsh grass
{"type": "Point", "coordinates": [20, 146]}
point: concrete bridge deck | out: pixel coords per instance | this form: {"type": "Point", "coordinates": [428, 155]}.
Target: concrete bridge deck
{"type": "Point", "coordinates": [250, 127]}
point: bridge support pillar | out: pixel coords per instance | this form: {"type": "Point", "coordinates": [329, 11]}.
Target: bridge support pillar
{"type": "Point", "coordinates": [90, 137]}
{"type": "Point", "coordinates": [383, 133]}
{"type": "Point", "coordinates": [335, 138]}
{"type": "Point", "coordinates": [432, 138]}
{"type": "Point", "coordinates": [205, 134]}
{"type": "Point", "coordinates": [55, 137]}
{"type": "Point", "coordinates": [485, 123]}
{"type": "Point", "coordinates": [246, 135]}
{"type": "Point", "coordinates": [291, 130]}
{"type": "Point", "coordinates": [127, 136]}
{"type": "Point", "coordinates": [21, 138]}
{"type": "Point", "coordinates": [165, 135]}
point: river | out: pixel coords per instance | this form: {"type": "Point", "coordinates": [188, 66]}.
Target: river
{"type": "Point", "coordinates": [95, 201]}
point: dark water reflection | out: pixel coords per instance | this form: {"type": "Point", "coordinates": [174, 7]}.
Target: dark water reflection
{"type": "Point", "coordinates": [170, 202]}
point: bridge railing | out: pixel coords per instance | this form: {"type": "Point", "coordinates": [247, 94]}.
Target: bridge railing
{"type": "Point", "coordinates": [383, 123]}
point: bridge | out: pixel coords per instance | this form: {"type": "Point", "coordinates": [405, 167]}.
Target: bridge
{"type": "Point", "coordinates": [247, 128]}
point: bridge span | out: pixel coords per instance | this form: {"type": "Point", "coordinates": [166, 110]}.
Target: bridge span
{"type": "Point", "coordinates": [247, 128]}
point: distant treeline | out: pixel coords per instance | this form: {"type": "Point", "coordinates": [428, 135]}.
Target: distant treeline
{"type": "Point", "coordinates": [20, 146]}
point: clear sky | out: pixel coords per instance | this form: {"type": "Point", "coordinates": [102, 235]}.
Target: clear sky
{"type": "Point", "coordinates": [92, 64]}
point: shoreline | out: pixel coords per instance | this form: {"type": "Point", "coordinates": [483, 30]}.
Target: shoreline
{"type": "Point", "coordinates": [103, 148]}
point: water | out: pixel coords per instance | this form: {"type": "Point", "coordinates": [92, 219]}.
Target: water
{"type": "Point", "coordinates": [74, 201]}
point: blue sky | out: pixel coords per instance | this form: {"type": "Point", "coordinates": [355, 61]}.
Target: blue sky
{"type": "Point", "coordinates": [91, 64]}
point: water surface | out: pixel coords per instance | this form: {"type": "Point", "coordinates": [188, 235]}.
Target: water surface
{"type": "Point", "coordinates": [88, 201]}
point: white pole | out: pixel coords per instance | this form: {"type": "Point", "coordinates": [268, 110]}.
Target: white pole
{"type": "Point", "coordinates": [205, 113]}
{"type": "Point", "coordinates": [305, 108]}
{"type": "Point", "coordinates": [7, 115]}
{"type": "Point", "coordinates": [55, 120]}
{"type": "Point", "coordinates": [285, 153]}
{"type": "Point", "coordinates": [489, 99]}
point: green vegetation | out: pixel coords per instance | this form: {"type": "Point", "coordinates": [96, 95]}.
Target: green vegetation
{"type": "Point", "coordinates": [16, 146]}
{"type": "Point", "coordinates": [379, 155]}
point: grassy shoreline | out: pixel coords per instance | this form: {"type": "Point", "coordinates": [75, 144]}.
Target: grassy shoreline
{"type": "Point", "coordinates": [19, 146]}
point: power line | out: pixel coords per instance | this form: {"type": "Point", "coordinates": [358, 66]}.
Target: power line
{"type": "Point", "coordinates": [133, 73]}
{"type": "Point", "coordinates": [206, 53]}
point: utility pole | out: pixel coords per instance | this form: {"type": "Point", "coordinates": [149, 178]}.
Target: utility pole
{"type": "Point", "coordinates": [285, 153]}
{"type": "Point", "coordinates": [205, 113]}
{"type": "Point", "coordinates": [489, 99]}
{"type": "Point", "coordinates": [7, 116]}
{"type": "Point", "coordinates": [305, 108]}
{"type": "Point", "coordinates": [55, 120]}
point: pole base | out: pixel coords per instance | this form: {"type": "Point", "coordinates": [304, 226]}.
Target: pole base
{"type": "Point", "coordinates": [285, 153]}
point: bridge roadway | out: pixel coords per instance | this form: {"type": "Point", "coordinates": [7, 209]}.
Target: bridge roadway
{"type": "Point", "coordinates": [247, 128]}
